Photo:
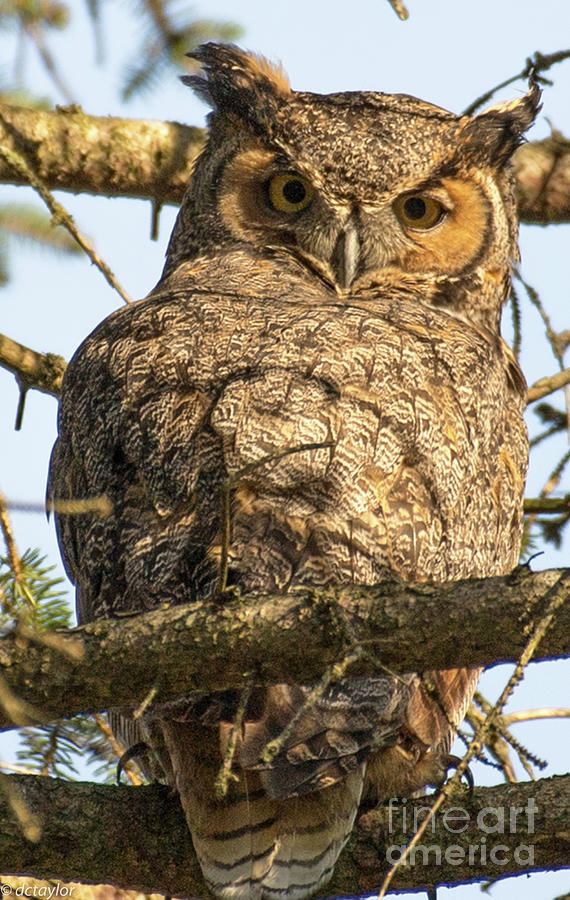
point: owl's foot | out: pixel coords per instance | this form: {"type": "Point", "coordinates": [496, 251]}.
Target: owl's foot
{"type": "Point", "coordinates": [452, 762]}
{"type": "Point", "coordinates": [132, 753]}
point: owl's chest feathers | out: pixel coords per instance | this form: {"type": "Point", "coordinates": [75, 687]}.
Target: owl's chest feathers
{"type": "Point", "coordinates": [419, 438]}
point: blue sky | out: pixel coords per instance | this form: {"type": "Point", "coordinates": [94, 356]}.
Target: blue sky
{"type": "Point", "coordinates": [448, 52]}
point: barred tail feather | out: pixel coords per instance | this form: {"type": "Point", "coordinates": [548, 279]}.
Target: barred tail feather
{"type": "Point", "coordinates": [254, 847]}
{"type": "Point", "coordinates": [270, 850]}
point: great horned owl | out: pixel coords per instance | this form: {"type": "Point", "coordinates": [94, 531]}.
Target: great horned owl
{"type": "Point", "coordinates": [333, 287]}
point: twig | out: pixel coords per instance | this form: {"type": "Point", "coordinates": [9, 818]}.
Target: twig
{"type": "Point", "coordinates": [107, 733]}
{"type": "Point", "coordinates": [101, 505]}
{"type": "Point", "coordinates": [534, 64]}
{"type": "Point", "coordinates": [554, 478]}
{"type": "Point", "coordinates": [29, 822]}
{"type": "Point", "coordinates": [551, 335]}
{"type": "Point", "coordinates": [34, 32]}
{"type": "Point", "coordinates": [332, 674]}
{"type": "Point", "coordinates": [548, 385]}
{"type": "Point", "coordinates": [534, 505]}
{"type": "Point", "coordinates": [501, 731]}
{"type": "Point", "coordinates": [18, 711]}
{"type": "Point", "coordinates": [547, 433]}
{"type": "Point", "coordinates": [43, 371]}
{"type": "Point", "coordinates": [530, 715]}
{"type": "Point", "coordinates": [60, 214]}
{"type": "Point", "coordinates": [225, 774]}
{"type": "Point", "coordinates": [537, 632]}
{"type": "Point", "coordinates": [399, 9]}
{"type": "Point", "coordinates": [72, 649]}
{"type": "Point", "coordinates": [496, 745]}
{"type": "Point", "coordinates": [18, 770]}
{"type": "Point", "coordinates": [8, 535]}
{"type": "Point", "coordinates": [147, 700]}
{"type": "Point", "coordinates": [516, 320]}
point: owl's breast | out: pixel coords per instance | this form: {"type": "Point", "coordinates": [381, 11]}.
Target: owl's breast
{"type": "Point", "coordinates": [353, 439]}
{"type": "Point", "coordinates": [421, 441]}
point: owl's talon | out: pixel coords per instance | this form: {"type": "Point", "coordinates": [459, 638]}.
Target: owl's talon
{"type": "Point", "coordinates": [128, 755]}
{"type": "Point", "coordinates": [452, 762]}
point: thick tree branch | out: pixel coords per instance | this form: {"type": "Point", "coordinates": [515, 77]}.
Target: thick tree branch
{"type": "Point", "coordinates": [287, 638]}
{"type": "Point", "coordinates": [75, 152]}
{"type": "Point", "coordinates": [137, 838]}
{"type": "Point", "coordinates": [72, 151]}
{"type": "Point", "coordinates": [542, 172]}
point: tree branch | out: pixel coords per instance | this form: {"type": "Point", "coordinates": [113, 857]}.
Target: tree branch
{"type": "Point", "coordinates": [534, 505]}
{"type": "Point", "coordinates": [72, 151]}
{"type": "Point", "coordinates": [548, 385]}
{"type": "Point", "coordinates": [295, 637]}
{"type": "Point", "coordinates": [140, 840]}
{"type": "Point", "coordinates": [542, 172]}
{"type": "Point", "coordinates": [43, 371]}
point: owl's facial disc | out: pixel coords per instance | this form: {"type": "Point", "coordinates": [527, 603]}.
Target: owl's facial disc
{"type": "Point", "coordinates": [439, 227]}
{"type": "Point", "coordinates": [262, 198]}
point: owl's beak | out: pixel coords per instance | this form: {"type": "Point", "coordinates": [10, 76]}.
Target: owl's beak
{"type": "Point", "coordinates": [346, 256]}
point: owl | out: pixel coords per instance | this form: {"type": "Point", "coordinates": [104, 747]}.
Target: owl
{"type": "Point", "coordinates": [323, 348]}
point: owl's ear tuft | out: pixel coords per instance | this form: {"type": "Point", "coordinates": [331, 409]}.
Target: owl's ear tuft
{"type": "Point", "coordinates": [498, 131]}
{"type": "Point", "coordinates": [239, 83]}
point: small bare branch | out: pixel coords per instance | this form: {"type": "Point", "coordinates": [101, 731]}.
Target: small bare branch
{"type": "Point", "coordinates": [534, 65]}
{"type": "Point", "coordinates": [534, 505]}
{"type": "Point", "coordinates": [530, 715]}
{"type": "Point", "coordinates": [399, 9]}
{"type": "Point", "coordinates": [42, 371]}
{"type": "Point", "coordinates": [225, 774]}
{"type": "Point", "coordinates": [548, 385]}
{"type": "Point", "coordinates": [61, 217]}
{"type": "Point", "coordinates": [28, 822]}
{"type": "Point", "coordinates": [8, 535]}
{"type": "Point", "coordinates": [107, 732]}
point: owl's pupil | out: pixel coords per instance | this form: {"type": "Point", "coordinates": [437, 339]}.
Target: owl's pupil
{"type": "Point", "coordinates": [415, 208]}
{"type": "Point", "coordinates": [294, 191]}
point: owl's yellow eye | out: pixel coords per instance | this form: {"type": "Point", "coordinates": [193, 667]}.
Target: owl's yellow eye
{"type": "Point", "coordinates": [418, 211]}
{"type": "Point", "coordinates": [290, 192]}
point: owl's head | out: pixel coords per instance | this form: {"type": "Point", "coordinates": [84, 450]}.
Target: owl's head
{"type": "Point", "coordinates": [362, 190]}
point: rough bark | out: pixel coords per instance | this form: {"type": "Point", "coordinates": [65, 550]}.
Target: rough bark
{"type": "Point", "coordinates": [136, 838]}
{"type": "Point", "coordinates": [542, 171]}
{"type": "Point", "coordinates": [73, 151]}
{"type": "Point", "coordinates": [294, 637]}
{"type": "Point", "coordinates": [43, 371]}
